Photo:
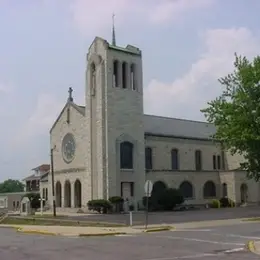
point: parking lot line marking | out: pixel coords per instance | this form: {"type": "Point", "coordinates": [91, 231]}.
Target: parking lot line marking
{"type": "Point", "coordinates": [203, 241]}
{"type": "Point", "coordinates": [247, 237]}
{"type": "Point", "coordinates": [234, 250]}
{"type": "Point", "coordinates": [192, 230]}
{"type": "Point", "coordinates": [234, 235]}
{"type": "Point", "coordinates": [182, 257]}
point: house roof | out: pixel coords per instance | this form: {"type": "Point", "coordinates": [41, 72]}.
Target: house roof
{"type": "Point", "coordinates": [32, 178]}
{"type": "Point", "coordinates": [42, 168]}
{"type": "Point", "coordinates": [44, 177]}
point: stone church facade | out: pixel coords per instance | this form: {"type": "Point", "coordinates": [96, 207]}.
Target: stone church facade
{"type": "Point", "coordinates": [109, 147]}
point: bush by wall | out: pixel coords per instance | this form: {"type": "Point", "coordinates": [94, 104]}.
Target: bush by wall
{"type": "Point", "coordinates": [167, 199]}
{"type": "Point", "coordinates": [117, 203]}
{"type": "Point", "coordinates": [215, 204]}
{"type": "Point", "coordinates": [100, 206]}
{"type": "Point", "coordinates": [227, 203]}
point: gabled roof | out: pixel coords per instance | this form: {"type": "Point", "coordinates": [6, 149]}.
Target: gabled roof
{"type": "Point", "coordinates": [166, 126]}
{"type": "Point", "coordinates": [44, 177]}
{"type": "Point", "coordinates": [42, 168]}
{"type": "Point", "coordinates": [80, 109]}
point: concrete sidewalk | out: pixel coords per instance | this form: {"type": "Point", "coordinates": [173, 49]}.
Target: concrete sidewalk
{"type": "Point", "coordinates": [83, 231]}
{"type": "Point", "coordinates": [105, 231]}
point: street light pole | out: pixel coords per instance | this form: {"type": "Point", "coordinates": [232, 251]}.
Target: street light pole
{"type": "Point", "coordinates": [52, 182]}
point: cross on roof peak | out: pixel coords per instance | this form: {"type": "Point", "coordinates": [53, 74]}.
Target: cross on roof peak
{"type": "Point", "coordinates": [70, 98]}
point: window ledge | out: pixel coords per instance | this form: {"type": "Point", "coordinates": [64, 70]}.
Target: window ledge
{"type": "Point", "coordinates": [191, 198]}
{"type": "Point", "coordinates": [127, 170]}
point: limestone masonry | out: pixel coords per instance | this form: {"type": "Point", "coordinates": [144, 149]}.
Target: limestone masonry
{"type": "Point", "coordinates": [109, 147]}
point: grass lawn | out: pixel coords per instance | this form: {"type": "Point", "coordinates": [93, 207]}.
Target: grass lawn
{"type": "Point", "coordinates": [55, 222]}
{"type": "Point", "coordinates": [252, 219]}
{"type": "Point", "coordinates": [50, 216]}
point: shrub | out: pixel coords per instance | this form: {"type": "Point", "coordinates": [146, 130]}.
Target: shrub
{"type": "Point", "coordinates": [170, 198]}
{"type": "Point", "coordinates": [117, 203]}
{"type": "Point", "coordinates": [100, 206]}
{"type": "Point", "coordinates": [226, 202]}
{"type": "Point", "coordinates": [215, 204]}
{"type": "Point", "coordinates": [34, 199]}
{"type": "Point", "coordinates": [232, 203]}
{"type": "Point", "coordinates": [116, 199]}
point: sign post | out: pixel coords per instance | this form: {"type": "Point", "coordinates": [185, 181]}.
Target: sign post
{"type": "Point", "coordinates": [41, 199]}
{"type": "Point", "coordinates": [148, 187]}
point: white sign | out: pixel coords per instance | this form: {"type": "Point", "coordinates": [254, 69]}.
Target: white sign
{"type": "Point", "coordinates": [148, 187]}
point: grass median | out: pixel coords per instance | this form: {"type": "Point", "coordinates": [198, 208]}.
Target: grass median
{"type": "Point", "coordinates": [255, 219]}
{"type": "Point", "coordinates": [55, 222]}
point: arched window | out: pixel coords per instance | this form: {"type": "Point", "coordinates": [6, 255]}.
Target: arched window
{"type": "Point", "coordinates": [198, 161]}
{"type": "Point", "coordinates": [219, 162]}
{"type": "Point", "coordinates": [209, 190]}
{"type": "Point", "coordinates": [148, 158]}
{"type": "Point", "coordinates": [214, 162]}
{"type": "Point", "coordinates": [115, 73]}
{"type": "Point", "coordinates": [158, 188]}
{"type": "Point", "coordinates": [186, 189]}
{"type": "Point", "coordinates": [224, 190]}
{"type": "Point", "coordinates": [93, 79]}
{"type": "Point", "coordinates": [175, 159]}
{"type": "Point", "coordinates": [126, 155]}
{"type": "Point", "coordinates": [133, 76]}
{"type": "Point", "coordinates": [124, 75]}
{"type": "Point", "coordinates": [46, 193]}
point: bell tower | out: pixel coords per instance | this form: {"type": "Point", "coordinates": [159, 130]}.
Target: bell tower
{"type": "Point", "coordinates": [114, 121]}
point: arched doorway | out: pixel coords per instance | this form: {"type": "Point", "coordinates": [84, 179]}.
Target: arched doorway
{"type": "Point", "coordinates": [158, 187]}
{"type": "Point", "coordinates": [209, 190]}
{"type": "Point", "coordinates": [58, 194]}
{"type": "Point", "coordinates": [77, 194]}
{"type": "Point", "coordinates": [243, 192]}
{"type": "Point", "coordinates": [186, 189]}
{"type": "Point", "coordinates": [67, 194]}
{"type": "Point", "coordinates": [224, 190]}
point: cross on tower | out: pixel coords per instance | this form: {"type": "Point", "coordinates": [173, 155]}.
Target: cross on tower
{"type": "Point", "coordinates": [70, 94]}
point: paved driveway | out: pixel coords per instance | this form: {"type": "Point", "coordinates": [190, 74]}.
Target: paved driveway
{"type": "Point", "coordinates": [176, 217]}
{"type": "Point", "coordinates": [214, 243]}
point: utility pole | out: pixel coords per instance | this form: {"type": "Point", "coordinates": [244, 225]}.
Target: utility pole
{"type": "Point", "coordinates": [52, 182]}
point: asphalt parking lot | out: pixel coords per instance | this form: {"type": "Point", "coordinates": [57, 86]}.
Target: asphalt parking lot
{"type": "Point", "coordinates": [177, 216]}
{"type": "Point", "coordinates": [212, 243]}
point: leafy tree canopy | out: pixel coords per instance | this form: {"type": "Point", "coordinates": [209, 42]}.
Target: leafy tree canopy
{"type": "Point", "coordinates": [11, 186]}
{"type": "Point", "coordinates": [236, 113]}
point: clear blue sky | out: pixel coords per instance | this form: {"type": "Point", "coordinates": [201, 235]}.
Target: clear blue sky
{"type": "Point", "coordinates": [187, 45]}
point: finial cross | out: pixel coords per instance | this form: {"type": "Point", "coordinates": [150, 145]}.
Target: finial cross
{"type": "Point", "coordinates": [70, 94]}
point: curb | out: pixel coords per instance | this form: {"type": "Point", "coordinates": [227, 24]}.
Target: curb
{"type": "Point", "coordinates": [36, 232]}
{"type": "Point", "coordinates": [102, 234]}
{"type": "Point", "coordinates": [251, 246]}
{"type": "Point", "coordinates": [158, 229]}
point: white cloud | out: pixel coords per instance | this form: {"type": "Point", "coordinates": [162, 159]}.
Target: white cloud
{"type": "Point", "coordinates": [95, 16]}
{"type": "Point", "coordinates": [46, 111]}
{"type": "Point", "coordinates": [6, 88]}
{"type": "Point", "coordinates": [186, 95]}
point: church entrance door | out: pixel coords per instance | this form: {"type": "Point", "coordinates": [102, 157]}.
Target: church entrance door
{"type": "Point", "coordinates": [126, 190]}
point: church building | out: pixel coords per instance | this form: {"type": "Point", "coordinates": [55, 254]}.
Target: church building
{"type": "Point", "coordinates": [109, 147]}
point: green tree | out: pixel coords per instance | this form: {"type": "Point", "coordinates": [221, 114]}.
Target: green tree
{"type": "Point", "coordinates": [34, 199]}
{"type": "Point", "coordinates": [11, 186]}
{"type": "Point", "coordinates": [236, 113]}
